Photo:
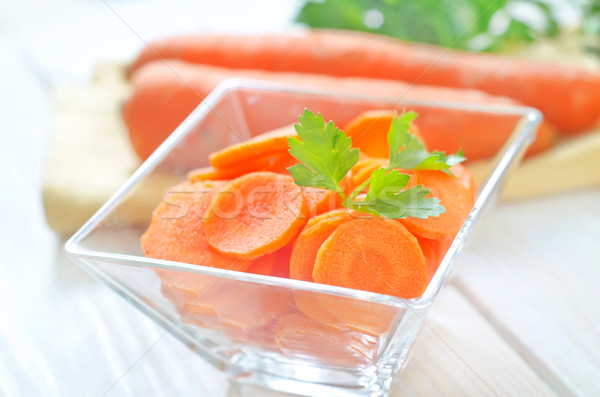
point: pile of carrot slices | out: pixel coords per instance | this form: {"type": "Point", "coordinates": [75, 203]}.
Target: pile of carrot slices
{"type": "Point", "coordinates": [245, 213]}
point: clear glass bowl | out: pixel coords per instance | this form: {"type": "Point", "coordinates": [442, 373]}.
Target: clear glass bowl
{"type": "Point", "coordinates": [246, 324]}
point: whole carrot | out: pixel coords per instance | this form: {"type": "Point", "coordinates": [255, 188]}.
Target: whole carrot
{"type": "Point", "coordinates": [164, 94]}
{"type": "Point", "coordinates": [569, 97]}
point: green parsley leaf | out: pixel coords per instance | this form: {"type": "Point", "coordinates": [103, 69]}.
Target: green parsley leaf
{"type": "Point", "coordinates": [399, 137]}
{"type": "Point", "coordinates": [408, 152]}
{"type": "Point", "coordinates": [326, 156]}
{"type": "Point", "coordinates": [324, 152]}
{"type": "Point", "coordinates": [385, 197]}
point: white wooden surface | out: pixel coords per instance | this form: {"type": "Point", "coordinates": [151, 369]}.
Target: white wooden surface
{"type": "Point", "coordinates": [521, 317]}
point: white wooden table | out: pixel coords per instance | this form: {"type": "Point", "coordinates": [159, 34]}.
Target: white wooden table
{"type": "Point", "coordinates": [520, 317]}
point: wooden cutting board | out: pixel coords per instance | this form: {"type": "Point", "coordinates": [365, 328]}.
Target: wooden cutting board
{"type": "Point", "coordinates": [90, 157]}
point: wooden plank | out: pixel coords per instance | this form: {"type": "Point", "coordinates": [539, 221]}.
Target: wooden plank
{"type": "Point", "coordinates": [569, 162]}
{"type": "Point", "coordinates": [532, 269]}
{"type": "Point", "coordinates": [459, 353]}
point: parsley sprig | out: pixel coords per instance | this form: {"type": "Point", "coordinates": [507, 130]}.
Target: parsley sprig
{"type": "Point", "coordinates": [326, 155]}
{"type": "Point", "coordinates": [407, 151]}
{"type": "Point", "coordinates": [324, 152]}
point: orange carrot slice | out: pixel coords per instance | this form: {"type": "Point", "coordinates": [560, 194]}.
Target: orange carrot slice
{"type": "Point", "coordinates": [365, 169]}
{"type": "Point", "coordinates": [434, 251]}
{"type": "Point", "coordinates": [255, 214]}
{"type": "Point", "coordinates": [277, 162]}
{"type": "Point", "coordinates": [253, 306]}
{"type": "Point", "coordinates": [369, 131]}
{"type": "Point", "coordinates": [281, 268]}
{"type": "Point", "coordinates": [310, 240]}
{"type": "Point", "coordinates": [346, 313]}
{"type": "Point", "coordinates": [301, 337]}
{"type": "Point", "coordinates": [308, 302]}
{"type": "Point", "coordinates": [180, 287]}
{"type": "Point", "coordinates": [263, 265]}
{"type": "Point", "coordinates": [456, 195]}
{"type": "Point", "coordinates": [262, 337]}
{"type": "Point", "coordinates": [465, 178]}
{"type": "Point", "coordinates": [177, 232]}
{"type": "Point", "coordinates": [366, 317]}
{"type": "Point", "coordinates": [184, 289]}
{"type": "Point", "coordinates": [363, 160]}
{"type": "Point", "coordinates": [377, 255]}
{"type": "Point", "coordinates": [280, 162]}
{"type": "Point", "coordinates": [321, 201]}
{"type": "Point", "coordinates": [208, 301]}
{"type": "Point", "coordinates": [337, 213]}
{"type": "Point", "coordinates": [265, 144]}
{"type": "Point", "coordinates": [276, 264]}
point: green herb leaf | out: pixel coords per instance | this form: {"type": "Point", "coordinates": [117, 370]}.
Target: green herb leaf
{"type": "Point", "coordinates": [386, 198]}
{"type": "Point", "coordinates": [465, 24]}
{"type": "Point", "coordinates": [326, 156]}
{"type": "Point", "coordinates": [408, 152]}
{"type": "Point", "coordinates": [399, 137]}
{"type": "Point", "coordinates": [325, 153]}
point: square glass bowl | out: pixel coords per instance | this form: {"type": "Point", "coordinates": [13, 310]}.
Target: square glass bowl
{"type": "Point", "coordinates": [279, 333]}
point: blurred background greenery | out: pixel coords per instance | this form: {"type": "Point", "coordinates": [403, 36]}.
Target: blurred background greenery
{"type": "Point", "coordinates": [476, 25]}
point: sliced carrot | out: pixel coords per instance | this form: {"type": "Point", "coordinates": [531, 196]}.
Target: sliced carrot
{"type": "Point", "coordinates": [231, 172]}
{"type": "Point", "coordinates": [346, 313]}
{"type": "Point", "coordinates": [377, 255]}
{"type": "Point", "coordinates": [206, 174]}
{"type": "Point", "coordinates": [179, 287]}
{"type": "Point", "coordinates": [363, 160]}
{"type": "Point", "coordinates": [310, 240]}
{"type": "Point", "coordinates": [201, 299]}
{"type": "Point", "coordinates": [308, 303]}
{"type": "Point", "coordinates": [262, 337]}
{"type": "Point", "coordinates": [255, 214]}
{"type": "Point", "coordinates": [366, 317]}
{"type": "Point", "coordinates": [300, 337]}
{"type": "Point", "coordinates": [466, 179]}
{"type": "Point", "coordinates": [274, 162]}
{"type": "Point", "coordinates": [320, 201]}
{"type": "Point", "coordinates": [200, 317]}
{"type": "Point", "coordinates": [281, 268]}
{"type": "Point", "coordinates": [183, 289]}
{"type": "Point", "coordinates": [369, 131]}
{"type": "Point", "coordinates": [456, 195]}
{"type": "Point", "coordinates": [214, 174]}
{"type": "Point", "coordinates": [252, 305]}
{"type": "Point", "coordinates": [177, 232]}
{"type": "Point", "coordinates": [337, 213]}
{"type": "Point", "coordinates": [276, 264]}
{"type": "Point", "coordinates": [272, 142]}
{"type": "Point", "coordinates": [251, 332]}
{"type": "Point", "coordinates": [281, 162]}
{"type": "Point", "coordinates": [365, 169]}
{"type": "Point", "coordinates": [434, 251]}
{"type": "Point", "coordinates": [263, 265]}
